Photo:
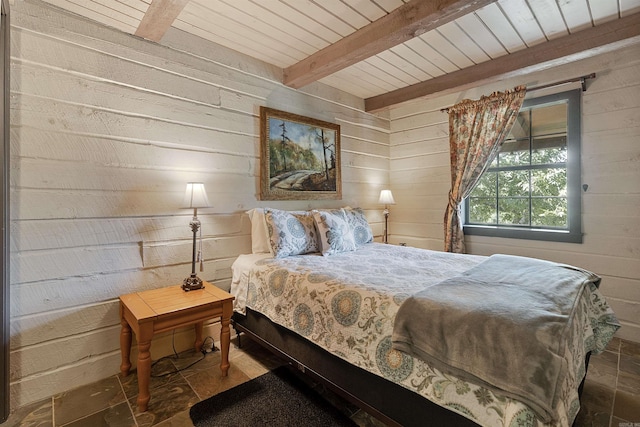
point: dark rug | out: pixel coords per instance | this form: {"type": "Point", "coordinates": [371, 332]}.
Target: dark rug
{"type": "Point", "coordinates": [277, 398]}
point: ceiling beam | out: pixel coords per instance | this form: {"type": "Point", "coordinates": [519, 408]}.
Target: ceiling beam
{"type": "Point", "coordinates": [583, 44]}
{"type": "Point", "coordinates": [159, 17]}
{"type": "Point", "coordinates": [404, 23]}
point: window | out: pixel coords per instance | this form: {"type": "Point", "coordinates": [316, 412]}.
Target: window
{"type": "Point", "coordinates": [531, 190]}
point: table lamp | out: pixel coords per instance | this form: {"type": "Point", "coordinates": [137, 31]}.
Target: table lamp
{"type": "Point", "coordinates": [386, 199]}
{"type": "Point", "coordinates": [195, 197]}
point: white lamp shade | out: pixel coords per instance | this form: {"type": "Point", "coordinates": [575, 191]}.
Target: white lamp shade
{"type": "Point", "coordinates": [386, 198]}
{"type": "Point", "coordinates": [195, 196]}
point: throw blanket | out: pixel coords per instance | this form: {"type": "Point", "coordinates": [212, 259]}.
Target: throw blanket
{"type": "Point", "coordinates": [503, 324]}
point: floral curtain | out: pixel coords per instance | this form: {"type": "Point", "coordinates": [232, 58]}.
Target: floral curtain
{"type": "Point", "coordinates": [476, 132]}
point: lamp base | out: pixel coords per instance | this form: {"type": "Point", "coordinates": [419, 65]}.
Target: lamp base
{"type": "Point", "coordinates": [192, 283]}
{"type": "Point", "coordinates": [386, 228]}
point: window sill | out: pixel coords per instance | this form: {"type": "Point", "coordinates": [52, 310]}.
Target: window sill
{"type": "Point", "coordinates": [522, 233]}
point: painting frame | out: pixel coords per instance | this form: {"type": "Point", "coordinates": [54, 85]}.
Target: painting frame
{"type": "Point", "coordinates": [300, 157]}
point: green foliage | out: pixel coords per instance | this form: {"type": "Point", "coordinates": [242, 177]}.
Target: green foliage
{"type": "Point", "coordinates": [516, 192]}
{"type": "Point", "coordinates": [290, 157]}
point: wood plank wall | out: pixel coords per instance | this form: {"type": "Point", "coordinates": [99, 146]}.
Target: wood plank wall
{"type": "Point", "coordinates": [106, 129]}
{"type": "Point", "coordinates": [420, 178]}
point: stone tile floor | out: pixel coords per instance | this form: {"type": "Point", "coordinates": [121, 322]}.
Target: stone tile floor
{"type": "Point", "coordinates": [611, 396]}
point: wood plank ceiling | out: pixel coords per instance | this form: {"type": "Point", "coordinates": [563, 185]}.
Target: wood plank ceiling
{"type": "Point", "coordinates": [387, 51]}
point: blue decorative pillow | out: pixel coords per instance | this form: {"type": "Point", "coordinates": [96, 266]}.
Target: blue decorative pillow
{"type": "Point", "coordinates": [359, 226]}
{"type": "Point", "coordinates": [290, 233]}
{"type": "Point", "coordinates": [334, 232]}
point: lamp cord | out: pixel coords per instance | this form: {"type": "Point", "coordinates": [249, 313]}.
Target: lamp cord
{"type": "Point", "coordinates": [175, 355]}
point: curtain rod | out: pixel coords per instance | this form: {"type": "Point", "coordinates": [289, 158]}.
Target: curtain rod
{"type": "Point", "coordinates": [581, 79]}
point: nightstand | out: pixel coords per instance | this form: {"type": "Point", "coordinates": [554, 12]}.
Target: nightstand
{"type": "Point", "coordinates": [159, 310]}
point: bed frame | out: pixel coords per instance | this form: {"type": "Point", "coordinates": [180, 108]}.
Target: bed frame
{"type": "Point", "coordinates": [389, 402]}
{"type": "Point", "coordinates": [385, 400]}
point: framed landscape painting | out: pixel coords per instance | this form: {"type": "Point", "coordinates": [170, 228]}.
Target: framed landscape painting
{"type": "Point", "coordinates": [300, 157]}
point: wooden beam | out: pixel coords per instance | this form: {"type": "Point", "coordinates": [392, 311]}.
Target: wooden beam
{"type": "Point", "coordinates": [406, 22]}
{"type": "Point", "coordinates": [159, 17]}
{"type": "Point", "coordinates": [583, 44]}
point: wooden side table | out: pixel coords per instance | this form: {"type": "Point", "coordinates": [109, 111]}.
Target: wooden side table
{"type": "Point", "coordinates": [163, 309]}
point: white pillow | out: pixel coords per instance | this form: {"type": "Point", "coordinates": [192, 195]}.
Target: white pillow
{"type": "Point", "coordinates": [290, 233]}
{"type": "Point", "coordinates": [334, 232]}
{"type": "Point", "coordinates": [359, 226]}
{"type": "Point", "coordinates": [259, 238]}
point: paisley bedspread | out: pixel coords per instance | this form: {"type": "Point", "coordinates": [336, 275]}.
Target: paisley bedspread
{"type": "Point", "coordinates": [346, 303]}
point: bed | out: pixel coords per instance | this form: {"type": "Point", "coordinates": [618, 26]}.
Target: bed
{"type": "Point", "coordinates": [331, 307]}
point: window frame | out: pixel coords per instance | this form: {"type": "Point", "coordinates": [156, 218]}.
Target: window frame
{"type": "Point", "coordinates": [5, 332]}
{"type": "Point", "coordinates": [574, 177]}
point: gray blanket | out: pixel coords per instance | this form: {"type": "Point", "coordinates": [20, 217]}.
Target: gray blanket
{"type": "Point", "coordinates": [503, 324]}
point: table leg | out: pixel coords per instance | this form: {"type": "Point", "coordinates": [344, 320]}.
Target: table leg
{"type": "Point", "coordinates": [225, 337]}
{"type": "Point", "coordinates": [125, 345]}
{"type": "Point", "coordinates": [198, 343]}
{"type": "Point", "coordinates": [144, 365]}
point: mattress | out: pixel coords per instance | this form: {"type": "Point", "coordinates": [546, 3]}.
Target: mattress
{"type": "Point", "coordinates": [346, 303]}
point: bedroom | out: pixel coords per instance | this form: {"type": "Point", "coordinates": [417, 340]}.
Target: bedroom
{"type": "Point", "coordinates": [107, 128]}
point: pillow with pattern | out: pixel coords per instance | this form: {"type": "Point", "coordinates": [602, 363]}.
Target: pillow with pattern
{"type": "Point", "coordinates": [290, 233]}
{"type": "Point", "coordinates": [359, 226]}
{"type": "Point", "coordinates": [334, 232]}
